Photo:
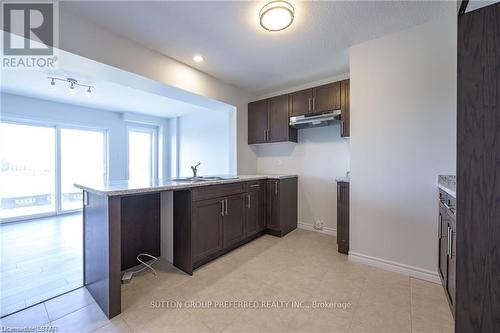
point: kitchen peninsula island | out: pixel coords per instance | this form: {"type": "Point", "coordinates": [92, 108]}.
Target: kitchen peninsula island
{"type": "Point", "coordinates": [209, 218]}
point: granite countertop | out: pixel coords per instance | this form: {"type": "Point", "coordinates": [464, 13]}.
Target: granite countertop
{"type": "Point", "coordinates": [448, 183]}
{"type": "Point", "coordinates": [125, 187]}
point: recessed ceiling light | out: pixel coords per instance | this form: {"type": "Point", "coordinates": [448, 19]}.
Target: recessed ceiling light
{"type": "Point", "coordinates": [198, 58]}
{"type": "Point", "coordinates": [276, 15]}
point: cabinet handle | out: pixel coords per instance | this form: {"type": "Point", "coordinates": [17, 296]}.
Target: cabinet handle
{"type": "Point", "coordinates": [276, 188]}
{"type": "Point", "coordinates": [448, 241]}
{"type": "Point", "coordinates": [440, 225]}
{"type": "Point", "coordinates": [314, 103]}
{"type": "Point", "coordinates": [222, 208]}
{"type": "Point", "coordinates": [265, 135]}
{"type": "Point", "coordinates": [226, 207]}
{"type": "Point", "coordinates": [254, 185]}
{"type": "Point", "coordinates": [268, 135]}
{"type": "Point", "coordinates": [248, 201]}
{"type": "Point", "coordinates": [451, 243]}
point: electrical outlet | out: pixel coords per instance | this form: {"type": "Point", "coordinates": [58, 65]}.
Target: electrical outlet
{"type": "Point", "coordinates": [318, 224]}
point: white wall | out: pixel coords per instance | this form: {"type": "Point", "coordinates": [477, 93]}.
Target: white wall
{"type": "Point", "coordinates": [206, 137]}
{"type": "Point", "coordinates": [319, 157]}
{"type": "Point", "coordinates": [403, 134]}
{"type": "Point", "coordinates": [16, 107]}
{"type": "Point", "coordinates": [85, 38]}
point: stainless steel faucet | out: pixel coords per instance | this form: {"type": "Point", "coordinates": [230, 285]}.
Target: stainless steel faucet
{"type": "Point", "coordinates": [195, 170]}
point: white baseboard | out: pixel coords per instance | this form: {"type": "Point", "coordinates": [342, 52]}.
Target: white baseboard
{"type": "Point", "coordinates": [392, 266]}
{"type": "Point", "coordinates": [310, 227]}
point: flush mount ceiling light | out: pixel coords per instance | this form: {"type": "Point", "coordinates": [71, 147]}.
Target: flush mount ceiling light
{"type": "Point", "coordinates": [198, 58]}
{"type": "Point", "coordinates": [276, 15]}
{"type": "Point", "coordinates": [72, 84]}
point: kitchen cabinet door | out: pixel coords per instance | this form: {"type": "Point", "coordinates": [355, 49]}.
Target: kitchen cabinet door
{"type": "Point", "coordinates": [279, 129]}
{"type": "Point", "coordinates": [443, 244]}
{"type": "Point", "coordinates": [452, 265]}
{"type": "Point", "coordinates": [257, 122]}
{"type": "Point", "coordinates": [234, 220]}
{"type": "Point", "coordinates": [273, 205]}
{"type": "Point", "coordinates": [345, 104]}
{"type": "Point", "coordinates": [254, 219]}
{"type": "Point", "coordinates": [206, 228]}
{"type": "Point", "coordinates": [326, 97]}
{"type": "Point", "coordinates": [300, 102]}
{"type": "Point", "coordinates": [343, 217]}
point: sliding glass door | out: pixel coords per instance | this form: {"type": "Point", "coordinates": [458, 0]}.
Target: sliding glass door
{"type": "Point", "coordinates": [83, 161]}
{"type": "Point", "coordinates": [40, 164]}
{"type": "Point", "coordinates": [28, 171]}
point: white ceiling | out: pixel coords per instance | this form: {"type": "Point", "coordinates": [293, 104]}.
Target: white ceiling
{"type": "Point", "coordinates": [239, 52]}
{"type": "Point", "coordinates": [108, 96]}
{"type": "Point", "coordinates": [114, 89]}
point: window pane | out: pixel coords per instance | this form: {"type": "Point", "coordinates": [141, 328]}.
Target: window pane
{"type": "Point", "coordinates": [27, 176]}
{"type": "Point", "coordinates": [82, 161]}
{"type": "Point", "coordinates": [140, 156]}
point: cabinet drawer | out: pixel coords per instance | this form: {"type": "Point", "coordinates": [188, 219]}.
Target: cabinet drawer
{"type": "Point", "coordinates": [254, 185]}
{"type": "Point", "coordinates": [216, 191]}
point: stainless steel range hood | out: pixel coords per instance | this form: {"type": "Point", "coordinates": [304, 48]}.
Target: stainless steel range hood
{"type": "Point", "coordinates": [315, 120]}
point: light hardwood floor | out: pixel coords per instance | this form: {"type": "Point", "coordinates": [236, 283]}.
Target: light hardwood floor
{"type": "Point", "coordinates": [303, 267]}
{"type": "Point", "coordinates": [40, 259]}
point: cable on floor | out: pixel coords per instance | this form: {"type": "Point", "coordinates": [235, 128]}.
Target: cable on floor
{"type": "Point", "coordinates": [127, 276]}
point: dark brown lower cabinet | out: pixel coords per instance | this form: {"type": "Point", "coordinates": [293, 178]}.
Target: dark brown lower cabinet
{"type": "Point", "coordinates": [212, 220]}
{"type": "Point", "coordinates": [452, 265]}
{"type": "Point", "coordinates": [443, 244]}
{"type": "Point", "coordinates": [206, 228]}
{"type": "Point", "coordinates": [254, 219]}
{"type": "Point", "coordinates": [281, 206]}
{"type": "Point", "coordinates": [447, 261]}
{"type": "Point", "coordinates": [343, 217]}
{"type": "Point", "coordinates": [233, 220]}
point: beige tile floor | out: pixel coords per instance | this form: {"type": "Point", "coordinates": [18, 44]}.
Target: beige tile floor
{"type": "Point", "coordinates": [302, 267]}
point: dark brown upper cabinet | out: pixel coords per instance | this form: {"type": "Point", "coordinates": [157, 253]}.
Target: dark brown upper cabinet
{"type": "Point", "coordinates": [268, 121]}
{"type": "Point", "coordinates": [345, 105]}
{"type": "Point", "coordinates": [316, 100]}
{"type": "Point", "coordinates": [326, 97]}
{"type": "Point", "coordinates": [300, 102]}
{"type": "Point", "coordinates": [279, 129]}
{"type": "Point", "coordinates": [257, 122]}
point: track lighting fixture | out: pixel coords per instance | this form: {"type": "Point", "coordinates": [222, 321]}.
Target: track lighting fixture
{"type": "Point", "coordinates": [72, 85]}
